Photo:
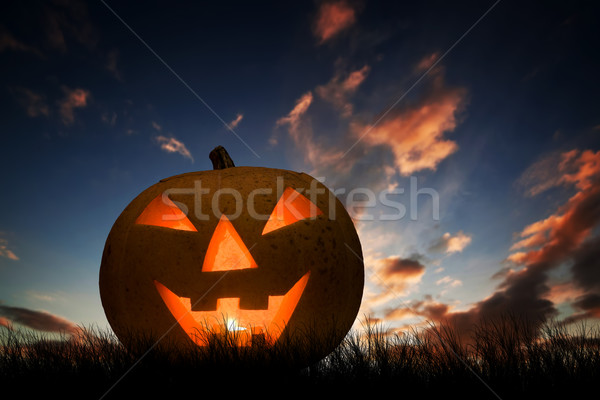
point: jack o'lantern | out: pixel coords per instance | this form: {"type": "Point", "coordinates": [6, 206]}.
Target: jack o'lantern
{"type": "Point", "coordinates": [259, 252]}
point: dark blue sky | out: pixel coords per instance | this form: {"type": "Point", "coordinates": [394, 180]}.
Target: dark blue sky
{"type": "Point", "coordinates": [85, 102]}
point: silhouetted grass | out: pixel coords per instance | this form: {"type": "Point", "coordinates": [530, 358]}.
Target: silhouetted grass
{"type": "Point", "coordinates": [500, 359]}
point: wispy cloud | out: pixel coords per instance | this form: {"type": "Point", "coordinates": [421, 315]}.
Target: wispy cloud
{"type": "Point", "coordinates": [416, 134]}
{"type": "Point", "coordinates": [9, 42]}
{"type": "Point", "coordinates": [35, 104]}
{"type": "Point", "coordinates": [333, 18]}
{"type": "Point", "coordinates": [172, 145]}
{"type": "Point", "coordinates": [38, 320]}
{"type": "Point", "coordinates": [448, 282]}
{"type": "Point", "coordinates": [70, 20]}
{"type": "Point", "coordinates": [339, 89]}
{"type": "Point", "coordinates": [449, 243]}
{"type": "Point", "coordinates": [156, 126]}
{"type": "Point", "coordinates": [557, 169]}
{"type": "Point", "coordinates": [396, 276]}
{"type": "Point", "coordinates": [5, 250]}
{"type": "Point", "coordinates": [236, 121]}
{"type": "Point", "coordinates": [301, 133]}
{"type": "Point", "coordinates": [109, 118]}
{"type": "Point", "coordinates": [293, 117]}
{"type": "Point", "coordinates": [73, 98]}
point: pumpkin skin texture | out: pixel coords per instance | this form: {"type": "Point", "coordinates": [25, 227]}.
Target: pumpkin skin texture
{"type": "Point", "coordinates": [145, 265]}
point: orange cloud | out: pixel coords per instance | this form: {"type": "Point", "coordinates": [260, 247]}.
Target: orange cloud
{"type": "Point", "coordinates": [33, 103]}
{"type": "Point", "coordinates": [333, 18]}
{"type": "Point", "coordinates": [416, 134]}
{"type": "Point", "coordinates": [74, 98]}
{"type": "Point", "coordinates": [564, 293]}
{"type": "Point", "coordinates": [570, 167]}
{"type": "Point", "coordinates": [302, 135]}
{"type": "Point", "coordinates": [293, 117]}
{"type": "Point", "coordinates": [428, 308]}
{"type": "Point", "coordinates": [451, 243]}
{"type": "Point", "coordinates": [571, 224]}
{"type": "Point", "coordinates": [338, 90]}
{"type": "Point", "coordinates": [396, 275]}
{"type": "Point", "coordinates": [427, 61]}
{"type": "Point", "coordinates": [172, 145]}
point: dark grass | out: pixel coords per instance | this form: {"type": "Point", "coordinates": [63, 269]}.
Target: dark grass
{"type": "Point", "coordinates": [501, 359]}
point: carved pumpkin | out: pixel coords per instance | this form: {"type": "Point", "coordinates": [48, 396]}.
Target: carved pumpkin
{"type": "Point", "coordinates": [255, 251]}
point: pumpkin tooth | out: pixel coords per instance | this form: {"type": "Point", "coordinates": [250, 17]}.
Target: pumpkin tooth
{"type": "Point", "coordinates": [229, 315]}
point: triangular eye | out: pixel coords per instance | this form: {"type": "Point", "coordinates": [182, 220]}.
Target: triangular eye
{"type": "Point", "coordinates": [226, 250]}
{"type": "Point", "coordinates": [291, 207]}
{"type": "Point", "coordinates": [163, 212]}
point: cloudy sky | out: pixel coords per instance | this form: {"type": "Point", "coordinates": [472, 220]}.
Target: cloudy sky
{"type": "Point", "coordinates": [469, 130]}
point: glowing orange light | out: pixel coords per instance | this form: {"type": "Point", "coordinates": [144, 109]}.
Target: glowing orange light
{"type": "Point", "coordinates": [226, 250]}
{"type": "Point", "coordinates": [229, 317]}
{"type": "Point", "coordinates": [163, 212]}
{"type": "Point", "coordinates": [291, 207]}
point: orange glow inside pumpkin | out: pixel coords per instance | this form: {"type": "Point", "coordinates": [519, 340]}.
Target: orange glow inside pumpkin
{"type": "Point", "coordinates": [226, 250]}
{"type": "Point", "coordinates": [291, 207]}
{"type": "Point", "coordinates": [163, 212]}
{"type": "Point", "coordinates": [229, 318]}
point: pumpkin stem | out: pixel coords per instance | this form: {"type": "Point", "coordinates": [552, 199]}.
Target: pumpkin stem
{"type": "Point", "coordinates": [220, 158]}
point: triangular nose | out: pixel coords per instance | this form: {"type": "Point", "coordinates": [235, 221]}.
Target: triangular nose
{"type": "Point", "coordinates": [227, 251]}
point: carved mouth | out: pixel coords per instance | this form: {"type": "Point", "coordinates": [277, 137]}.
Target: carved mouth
{"type": "Point", "coordinates": [229, 319]}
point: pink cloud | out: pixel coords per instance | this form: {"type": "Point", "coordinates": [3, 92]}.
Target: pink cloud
{"type": "Point", "coordinates": [338, 90]}
{"type": "Point", "coordinates": [6, 252]}
{"type": "Point", "coordinates": [557, 169]}
{"type": "Point", "coordinates": [293, 117]}
{"type": "Point", "coordinates": [427, 61]}
{"type": "Point", "coordinates": [416, 135]}
{"type": "Point", "coordinates": [74, 98]}
{"type": "Point", "coordinates": [236, 121]}
{"type": "Point", "coordinates": [172, 145]}
{"type": "Point", "coordinates": [34, 104]}
{"type": "Point", "coordinates": [302, 135]}
{"type": "Point", "coordinates": [333, 18]}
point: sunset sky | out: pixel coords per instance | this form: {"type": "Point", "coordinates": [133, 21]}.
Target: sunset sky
{"type": "Point", "coordinates": [485, 112]}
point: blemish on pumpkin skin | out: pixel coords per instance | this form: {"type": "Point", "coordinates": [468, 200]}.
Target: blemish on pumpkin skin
{"type": "Point", "coordinates": [274, 246]}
